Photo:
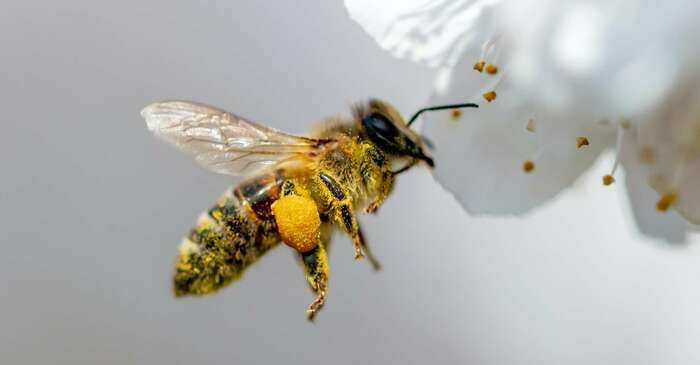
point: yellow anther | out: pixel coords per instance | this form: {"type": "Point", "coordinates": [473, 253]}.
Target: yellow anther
{"type": "Point", "coordinates": [490, 96]}
{"type": "Point", "coordinates": [479, 66]}
{"type": "Point", "coordinates": [491, 69]}
{"type": "Point", "coordinates": [455, 114]}
{"type": "Point", "coordinates": [608, 180]}
{"type": "Point", "coordinates": [666, 201]}
{"type": "Point", "coordinates": [581, 141]}
{"type": "Point", "coordinates": [531, 125]}
{"type": "Point", "coordinates": [298, 222]}
{"type": "Point", "coordinates": [528, 166]}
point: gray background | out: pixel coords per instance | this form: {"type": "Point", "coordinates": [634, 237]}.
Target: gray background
{"type": "Point", "coordinates": [92, 208]}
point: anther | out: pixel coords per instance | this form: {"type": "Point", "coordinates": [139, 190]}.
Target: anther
{"type": "Point", "coordinates": [479, 66]}
{"type": "Point", "coordinates": [531, 125]}
{"type": "Point", "coordinates": [528, 166]}
{"type": "Point", "coordinates": [490, 96]}
{"type": "Point", "coordinates": [456, 114]}
{"type": "Point", "coordinates": [491, 69]}
{"type": "Point", "coordinates": [666, 201]}
{"type": "Point", "coordinates": [581, 141]}
{"type": "Point", "coordinates": [608, 180]}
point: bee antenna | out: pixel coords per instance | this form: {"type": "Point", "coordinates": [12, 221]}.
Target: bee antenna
{"type": "Point", "coordinates": [439, 107]}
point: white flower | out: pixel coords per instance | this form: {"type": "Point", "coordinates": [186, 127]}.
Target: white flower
{"type": "Point", "coordinates": [559, 82]}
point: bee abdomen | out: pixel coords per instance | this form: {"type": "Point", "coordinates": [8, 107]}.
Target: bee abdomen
{"type": "Point", "coordinates": [224, 242]}
{"type": "Point", "coordinates": [259, 194]}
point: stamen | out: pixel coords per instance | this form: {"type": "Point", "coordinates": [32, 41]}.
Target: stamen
{"type": "Point", "coordinates": [610, 178]}
{"type": "Point", "coordinates": [626, 123]}
{"type": "Point", "coordinates": [455, 114]}
{"type": "Point", "coordinates": [528, 166]}
{"type": "Point", "coordinates": [581, 141]}
{"type": "Point", "coordinates": [486, 48]}
{"type": "Point", "coordinates": [531, 125]}
{"type": "Point", "coordinates": [666, 201]}
{"type": "Point", "coordinates": [491, 95]}
{"type": "Point", "coordinates": [487, 52]}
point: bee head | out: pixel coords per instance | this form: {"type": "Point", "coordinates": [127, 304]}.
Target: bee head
{"type": "Point", "coordinates": [382, 124]}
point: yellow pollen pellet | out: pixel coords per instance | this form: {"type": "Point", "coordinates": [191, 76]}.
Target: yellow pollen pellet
{"type": "Point", "coordinates": [479, 66]}
{"type": "Point", "coordinates": [608, 180]}
{"type": "Point", "coordinates": [581, 141]}
{"type": "Point", "coordinates": [666, 201]}
{"type": "Point", "coordinates": [455, 114]}
{"type": "Point", "coordinates": [490, 96]}
{"type": "Point", "coordinates": [528, 166]}
{"type": "Point", "coordinates": [491, 69]}
{"type": "Point", "coordinates": [298, 222]}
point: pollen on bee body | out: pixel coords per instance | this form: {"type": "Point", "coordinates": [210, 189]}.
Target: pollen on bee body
{"type": "Point", "coordinates": [188, 247]}
{"type": "Point", "coordinates": [298, 222]}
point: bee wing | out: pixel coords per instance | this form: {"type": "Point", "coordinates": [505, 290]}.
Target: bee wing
{"type": "Point", "coordinates": [223, 142]}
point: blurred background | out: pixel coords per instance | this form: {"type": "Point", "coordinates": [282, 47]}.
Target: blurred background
{"type": "Point", "coordinates": [92, 208]}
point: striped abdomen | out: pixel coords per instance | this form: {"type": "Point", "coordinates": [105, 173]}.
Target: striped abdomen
{"type": "Point", "coordinates": [233, 234]}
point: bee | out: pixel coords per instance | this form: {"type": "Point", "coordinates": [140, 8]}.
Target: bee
{"type": "Point", "coordinates": [295, 189]}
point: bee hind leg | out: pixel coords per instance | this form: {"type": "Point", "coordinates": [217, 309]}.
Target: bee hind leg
{"type": "Point", "coordinates": [315, 264]}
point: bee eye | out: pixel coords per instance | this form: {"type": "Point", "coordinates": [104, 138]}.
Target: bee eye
{"type": "Point", "coordinates": [381, 131]}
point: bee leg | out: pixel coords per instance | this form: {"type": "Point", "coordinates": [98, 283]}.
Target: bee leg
{"type": "Point", "coordinates": [316, 269]}
{"type": "Point", "coordinates": [345, 217]}
{"type": "Point", "coordinates": [342, 212]}
{"type": "Point", "coordinates": [376, 265]}
{"type": "Point", "coordinates": [385, 187]}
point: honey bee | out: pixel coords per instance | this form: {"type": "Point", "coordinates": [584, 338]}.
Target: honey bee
{"type": "Point", "coordinates": [296, 189]}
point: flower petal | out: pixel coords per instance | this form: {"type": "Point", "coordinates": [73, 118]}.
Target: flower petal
{"type": "Point", "coordinates": [669, 226]}
{"type": "Point", "coordinates": [673, 136]}
{"type": "Point", "coordinates": [479, 157]}
{"type": "Point", "coordinates": [429, 31]}
{"type": "Point", "coordinates": [689, 192]}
